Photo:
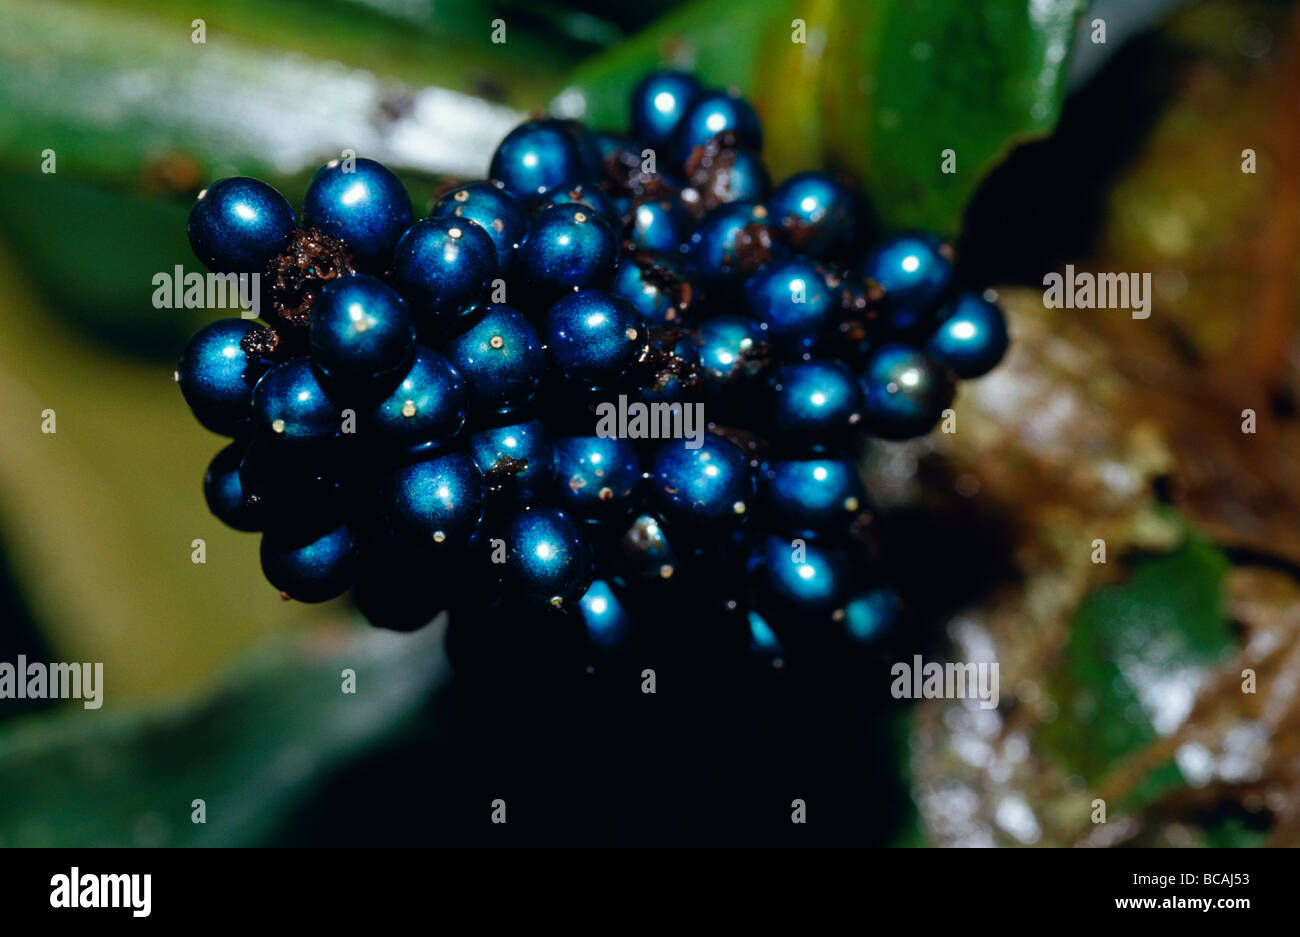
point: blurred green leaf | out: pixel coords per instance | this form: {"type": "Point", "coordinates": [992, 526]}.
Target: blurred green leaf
{"type": "Point", "coordinates": [98, 518]}
{"type": "Point", "coordinates": [880, 89]}
{"type": "Point", "coordinates": [1137, 652]}
{"type": "Point", "coordinates": [138, 117]}
{"type": "Point", "coordinates": [253, 751]}
{"type": "Point", "coordinates": [120, 92]}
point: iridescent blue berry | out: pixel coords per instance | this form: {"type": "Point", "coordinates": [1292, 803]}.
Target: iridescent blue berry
{"type": "Point", "coordinates": [905, 392]}
{"type": "Point", "coordinates": [915, 271]}
{"type": "Point", "coordinates": [710, 114]}
{"type": "Point", "coordinates": [804, 576]}
{"type": "Point", "coordinates": [537, 156]}
{"type": "Point", "coordinates": [659, 288]}
{"type": "Point", "coordinates": [597, 479]}
{"type": "Point", "coordinates": [547, 557]}
{"type": "Point", "coordinates": [592, 337]}
{"type": "Point", "coordinates": [727, 344]}
{"type": "Point", "coordinates": [500, 357]}
{"type": "Point", "coordinates": [360, 202]}
{"type": "Point", "coordinates": [659, 225]}
{"type": "Point", "coordinates": [225, 495]}
{"type": "Point", "coordinates": [816, 404]}
{"type": "Point", "coordinates": [738, 175]}
{"type": "Point", "coordinates": [443, 266]}
{"type": "Point", "coordinates": [812, 497]}
{"type": "Point", "coordinates": [608, 622]}
{"type": "Point", "coordinates": [569, 247]}
{"type": "Point", "coordinates": [216, 377]}
{"type": "Point", "coordinates": [237, 225]}
{"type": "Point", "coordinates": [436, 504]}
{"type": "Point", "coordinates": [793, 300]}
{"type": "Point", "coordinates": [673, 363]}
{"type": "Point", "coordinates": [645, 552]}
{"type": "Point", "coordinates": [287, 486]}
{"type": "Point", "coordinates": [517, 460]}
{"type": "Point", "coordinates": [659, 102]}
{"type": "Point", "coordinates": [583, 194]}
{"type": "Point", "coordinates": [312, 563]}
{"type": "Point", "coordinates": [425, 411]}
{"type": "Point", "coordinates": [813, 213]}
{"type": "Point", "coordinates": [972, 336]}
{"type": "Point", "coordinates": [713, 247]}
{"type": "Point", "coordinates": [293, 408]}
{"type": "Point", "coordinates": [494, 210]}
{"type": "Point", "coordinates": [698, 488]}
{"type": "Point", "coordinates": [763, 642]}
{"type": "Point", "coordinates": [360, 332]}
{"type": "Point", "coordinates": [870, 616]}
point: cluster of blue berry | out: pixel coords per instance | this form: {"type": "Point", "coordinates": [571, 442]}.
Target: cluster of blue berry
{"type": "Point", "coordinates": [416, 417]}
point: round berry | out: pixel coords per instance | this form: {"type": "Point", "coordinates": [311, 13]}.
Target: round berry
{"type": "Point", "coordinates": [436, 504]}
{"type": "Point", "coordinates": [360, 331]}
{"type": "Point", "coordinates": [659, 287]}
{"type": "Point", "coordinates": [237, 225]}
{"type": "Point", "coordinates": [659, 225]}
{"type": "Point", "coordinates": [710, 114]}
{"type": "Point", "coordinates": [670, 367]}
{"type": "Point", "coordinates": [311, 563]}
{"type": "Point", "coordinates": [597, 479]}
{"type": "Point", "coordinates": [398, 595]}
{"type": "Point", "coordinates": [607, 620]}
{"type": "Point", "coordinates": [592, 338]}
{"type": "Point", "coordinates": [816, 404]}
{"type": "Point", "coordinates": [915, 271]}
{"type": "Point", "coordinates": [547, 557]}
{"type": "Point", "coordinates": [493, 209]}
{"type": "Point", "coordinates": [644, 550]}
{"type": "Point", "coordinates": [288, 487]}
{"type": "Point", "coordinates": [764, 646]}
{"type": "Point", "coordinates": [425, 411]}
{"type": "Point", "coordinates": [291, 407]}
{"type": "Point", "coordinates": [361, 203]}
{"type": "Point", "coordinates": [225, 495]}
{"type": "Point", "coordinates": [793, 301]}
{"type": "Point", "coordinates": [813, 213]}
{"type": "Point", "coordinates": [709, 485]}
{"type": "Point", "coordinates": [537, 156]}
{"type": "Point", "coordinates": [659, 102]}
{"type": "Point", "coordinates": [871, 615]}
{"type": "Point", "coordinates": [569, 247]}
{"type": "Point", "coordinates": [501, 358]}
{"type": "Point", "coordinates": [904, 392]}
{"type": "Point", "coordinates": [443, 266]}
{"type": "Point", "coordinates": [813, 497]}
{"type": "Point", "coordinates": [972, 336]}
{"type": "Point", "coordinates": [727, 344]}
{"type": "Point", "coordinates": [582, 194]}
{"type": "Point", "coordinates": [216, 376]}
{"type": "Point", "coordinates": [734, 174]}
{"type": "Point", "coordinates": [732, 238]}
{"type": "Point", "coordinates": [810, 578]}
{"type": "Point", "coordinates": [516, 460]}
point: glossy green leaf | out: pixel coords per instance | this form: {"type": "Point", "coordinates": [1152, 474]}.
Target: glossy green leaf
{"type": "Point", "coordinates": [122, 92]}
{"type": "Point", "coordinates": [880, 89]}
{"type": "Point", "coordinates": [1136, 654]}
{"type": "Point", "coordinates": [252, 752]}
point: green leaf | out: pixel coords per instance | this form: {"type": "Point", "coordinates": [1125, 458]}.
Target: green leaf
{"type": "Point", "coordinates": [252, 752]}
{"type": "Point", "coordinates": [122, 92]}
{"type": "Point", "coordinates": [1136, 653]}
{"type": "Point", "coordinates": [879, 90]}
